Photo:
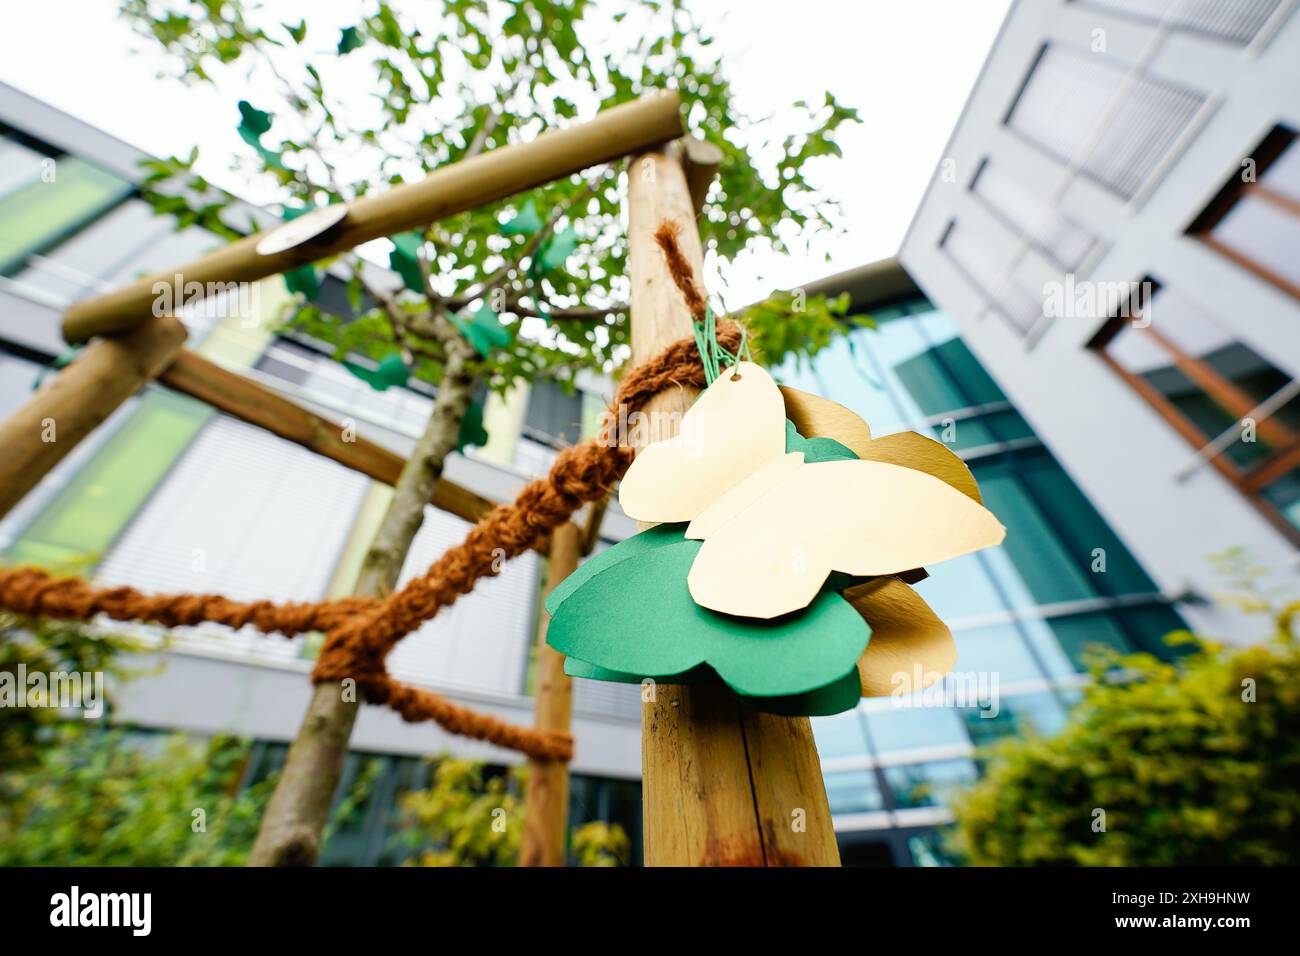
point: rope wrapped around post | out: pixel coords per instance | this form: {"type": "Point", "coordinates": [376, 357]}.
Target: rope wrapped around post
{"type": "Point", "coordinates": [360, 632]}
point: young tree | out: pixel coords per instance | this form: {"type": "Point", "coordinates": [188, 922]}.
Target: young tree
{"type": "Point", "coordinates": [532, 287]}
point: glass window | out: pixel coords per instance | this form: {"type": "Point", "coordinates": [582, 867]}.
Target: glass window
{"type": "Point", "coordinates": [42, 213]}
{"type": "Point", "coordinates": [20, 166]}
{"type": "Point", "coordinates": [1089, 111]}
{"type": "Point", "coordinates": [961, 588]}
{"type": "Point", "coordinates": [1238, 21]}
{"type": "Point", "coordinates": [1254, 220]}
{"type": "Point", "coordinates": [894, 729]}
{"type": "Point", "coordinates": [553, 414]}
{"type": "Point", "coordinates": [1056, 235]}
{"type": "Point", "coordinates": [929, 784]}
{"type": "Point", "coordinates": [997, 649]}
{"type": "Point", "coordinates": [1264, 234]}
{"type": "Point", "coordinates": [930, 848]}
{"type": "Point", "coordinates": [83, 520]}
{"type": "Point", "coordinates": [1207, 383]}
{"type": "Point", "coordinates": [1063, 643]}
{"type": "Point", "coordinates": [1035, 565]}
{"type": "Point", "coordinates": [853, 791]}
{"type": "Point", "coordinates": [988, 267]}
{"type": "Point", "coordinates": [839, 736]}
{"type": "Point", "coordinates": [80, 266]}
{"type": "Point", "coordinates": [1019, 715]}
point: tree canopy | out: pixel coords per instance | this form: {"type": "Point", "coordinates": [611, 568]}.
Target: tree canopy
{"type": "Point", "coordinates": [536, 282]}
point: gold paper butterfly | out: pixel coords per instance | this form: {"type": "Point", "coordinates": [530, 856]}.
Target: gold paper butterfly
{"type": "Point", "coordinates": [774, 526]}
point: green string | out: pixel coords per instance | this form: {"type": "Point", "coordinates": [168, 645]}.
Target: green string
{"type": "Point", "coordinates": [712, 355]}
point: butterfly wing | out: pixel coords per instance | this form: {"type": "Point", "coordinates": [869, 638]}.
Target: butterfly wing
{"type": "Point", "coordinates": [863, 518]}
{"type": "Point", "coordinates": [735, 427]}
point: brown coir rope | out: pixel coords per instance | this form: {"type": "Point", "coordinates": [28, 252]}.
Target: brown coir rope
{"type": "Point", "coordinates": [360, 632]}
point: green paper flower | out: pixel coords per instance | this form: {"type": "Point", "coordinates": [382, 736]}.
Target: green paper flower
{"type": "Point", "coordinates": [627, 614]}
{"type": "Point", "coordinates": [633, 613]}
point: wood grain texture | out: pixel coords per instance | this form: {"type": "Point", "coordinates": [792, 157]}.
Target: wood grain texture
{"type": "Point", "coordinates": [51, 423]}
{"type": "Point", "coordinates": [700, 753]}
{"type": "Point", "coordinates": [546, 793]}
{"type": "Point", "coordinates": [447, 191]}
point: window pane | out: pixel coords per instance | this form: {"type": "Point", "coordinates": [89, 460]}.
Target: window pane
{"type": "Point", "coordinates": [895, 729]}
{"type": "Point", "coordinates": [1086, 110]}
{"type": "Point", "coordinates": [1265, 234]}
{"type": "Point", "coordinates": [19, 166]}
{"type": "Point", "coordinates": [82, 522]}
{"type": "Point", "coordinates": [1284, 494]}
{"type": "Point", "coordinates": [1063, 239]}
{"type": "Point", "coordinates": [999, 649]}
{"type": "Point", "coordinates": [929, 784]}
{"type": "Point", "coordinates": [552, 413]}
{"type": "Point", "coordinates": [1283, 174]}
{"type": "Point", "coordinates": [1043, 568]}
{"type": "Point", "coordinates": [39, 215]}
{"type": "Point", "coordinates": [1064, 642]}
{"type": "Point", "coordinates": [1235, 20]}
{"type": "Point", "coordinates": [989, 272]}
{"type": "Point", "coordinates": [839, 736]}
{"type": "Point", "coordinates": [1019, 715]}
{"type": "Point", "coordinates": [853, 791]}
{"type": "Point", "coordinates": [961, 588]}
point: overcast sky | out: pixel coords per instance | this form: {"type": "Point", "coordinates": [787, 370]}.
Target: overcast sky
{"type": "Point", "coordinates": [906, 65]}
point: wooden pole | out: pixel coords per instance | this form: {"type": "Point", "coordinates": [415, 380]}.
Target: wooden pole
{"type": "Point", "coordinates": [546, 794]}
{"type": "Point", "coordinates": [251, 402]}
{"type": "Point", "coordinates": [722, 785]}
{"type": "Point", "coordinates": [453, 189]}
{"type": "Point", "coordinates": [48, 425]}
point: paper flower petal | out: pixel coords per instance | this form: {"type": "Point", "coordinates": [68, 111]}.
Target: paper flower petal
{"type": "Point", "coordinates": [910, 647]}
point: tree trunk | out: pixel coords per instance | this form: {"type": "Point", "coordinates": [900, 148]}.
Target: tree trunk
{"type": "Point", "coordinates": [295, 818]}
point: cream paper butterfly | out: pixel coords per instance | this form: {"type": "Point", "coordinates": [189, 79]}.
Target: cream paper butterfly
{"type": "Point", "coordinates": [774, 526]}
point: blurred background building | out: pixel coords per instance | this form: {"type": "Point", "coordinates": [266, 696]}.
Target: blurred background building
{"type": "Point", "coordinates": [1110, 157]}
{"type": "Point", "coordinates": [1147, 144]}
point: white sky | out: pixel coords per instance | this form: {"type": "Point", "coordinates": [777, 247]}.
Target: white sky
{"type": "Point", "coordinates": [906, 65]}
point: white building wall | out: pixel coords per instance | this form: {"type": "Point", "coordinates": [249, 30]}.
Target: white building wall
{"type": "Point", "coordinates": [1116, 446]}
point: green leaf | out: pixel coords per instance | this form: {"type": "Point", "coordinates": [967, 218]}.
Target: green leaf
{"type": "Point", "coordinates": [472, 431]}
{"type": "Point", "coordinates": [525, 223]}
{"type": "Point", "coordinates": [389, 372]}
{"type": "Point", "coordinates": [304, 280]}
{"type": "Point", "coordinates": [299, 32]}
{"type": "Point", "coordinates": [405, 259]}
{"type": "Point", "coordinates": [555, 252]}
{"type": "Point", "coordinates": [252, 121]}
{"type": "Point", "coordinates": [484, 330]}
{"type": "Point", "coordinates": [349, 40]}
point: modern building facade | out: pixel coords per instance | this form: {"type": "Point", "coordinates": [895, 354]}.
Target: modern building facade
{"type": "Point", "coordinates": [1114, 229]}
{"type": "Point", "coordinates": [1023, 615]}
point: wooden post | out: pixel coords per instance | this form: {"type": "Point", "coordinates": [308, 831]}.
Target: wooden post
{"type": "Point", "coordinates": [546, 794]}
{"type": "Point", "coordinates": [722, 785]}
{"type": "Point", "coordinates": [452, 189]}
{"type": "Point", "coordinates": [48, 425]}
